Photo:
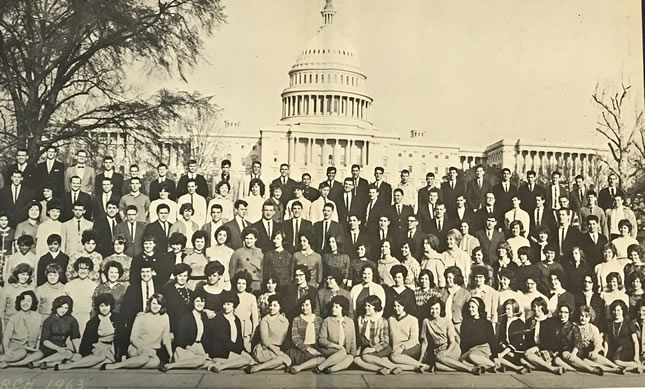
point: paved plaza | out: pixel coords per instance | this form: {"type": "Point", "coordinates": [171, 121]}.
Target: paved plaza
{"type": "Point", "coordinates": [76, 379]}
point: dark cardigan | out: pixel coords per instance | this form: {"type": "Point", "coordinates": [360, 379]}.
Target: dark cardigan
{"type": "Point", "coordinates": [90, 336]}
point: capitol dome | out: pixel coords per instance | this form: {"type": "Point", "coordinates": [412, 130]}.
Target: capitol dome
{"type": "Point", "coordinates": [326, 81]}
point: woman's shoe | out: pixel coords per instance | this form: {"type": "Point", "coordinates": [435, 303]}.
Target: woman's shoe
{"type": "Point", "coordinates": [476, 370]}
{"type": "Point", "coordinates": [292, 370]}
{"type": "Point", "coordinates": [214, 369]}
{"type": "Point", "coordinates": [248, 370]}
{"type": "Point", "coordinates": [327, 370]}
{"type": "Point", "coordinates": [43, 366]}
{"type": "Point", "coordinates": [396, 370]}
{"type": "Point", "coordinates": [384, 371]}
{"type": "Point", "coordinates": [162, 368]}
{"type": "Point", "coordinates": [598, 371]}
{"type": "Point", "coordinates": [316, 370]}
{"type": "Point", "coordinates": [31, 365]}
{"type": "Point", "coordinates": [103, 366]}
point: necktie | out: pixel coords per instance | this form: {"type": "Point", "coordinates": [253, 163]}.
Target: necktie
{"type": "Point", "coordinates": [489, 210]}
{"type": "Point", "coordinates": [531, 188]}
{"type": "Point", "coordinates": [325, 226]}
{"type": "Point", "coordinates": [382, 234]}
{"type": "Point", "coordinates": [112, 225]}
{"type": "Point", "coordinates": [489, 234]}
{"type": "Point", "coordinates": [410, 234]}
{"type": "Point", "coordinates": [79, 227]}
{"type": "Point", "coordinates": [612, 192]}
{"type": "Point", "coordinates": [15, 194]}
{"type": "Point", "coordinates": [191, 200]}
{"type": "Point", "coordinates": [105, 200]}
{"type": "Point", "coordinates": [49, 166]}
{"type": "Point", "coordinates": [398, 209]}
{"type": "Point", "coordinates": [163, 227]}
{"type": "Point", "coordinates": [439, 224]}
{"type": "Point", "coordinates": [284, 181]}
{"type": "Point", "coordinates": [354, 238]}
{"type": "Point", "coordinates": [269, 228]}
{"type": "Point", "coordinates": [514, 214]}
{"type": "Point", "coordinates": [347, 206]}
{"type": "Point", "coordinates": [296, 230]}
{"type": "Point", "coordinates": [580, 195]}
{"type": "Point", "coordinates": [479, 183]}
{"type": "Point", "coordinates": [594, 237]}
{"type": "Point", "coordinates": [506, 188]}
{"type": "Point", "coordinates": [561, 239]}
{"type": "Point", "coordinates": [147, 293]}
{"type": "Point", "coordinates": [132, 231]}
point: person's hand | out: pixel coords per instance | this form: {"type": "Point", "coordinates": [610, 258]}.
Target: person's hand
{"type": "Point", "coordinates": [369, 350]}
{"type": "Point", "coordinates": [31, 349]}
{"type": "Point", "coordinates": [397, 351]}
{"type": "Point", "coordinates": [209, 314]}
{"type": "Point", "coordinates": [313, 351]}
{"type": "Point", "coordinates": [337, 346]}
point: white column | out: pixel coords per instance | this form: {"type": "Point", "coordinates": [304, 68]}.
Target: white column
{"type": "Point", "coordinates": [351, 146]}
{"type": "Point", "coordinates": [363, 151]}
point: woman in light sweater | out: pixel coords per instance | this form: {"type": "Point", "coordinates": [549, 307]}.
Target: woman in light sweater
{"type": "Point", "coordinates": [337, 338]}
{"type": "Point", "coordinates": [404, 337]}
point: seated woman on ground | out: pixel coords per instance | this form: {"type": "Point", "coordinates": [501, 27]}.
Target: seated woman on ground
{"type": "Point", "coordinates": [570, 342]}
{"type": "Point", "coordinates": [105, 339]}
{"type": "Point", "coordinates": [337, 338]}
{"type": "Point", "coordinates": [510, 339]}
{"type": "Point", "coordinates": [478, 343]}
{"type": "Point", "coordinates": [305, 332]}
{"type": "Point", "coordinates": [439, 333]}
{"type": "Point", "coordinates": [623, 346]}
{"type": "Point", "coordinates": [591, 349]}
{"type": "Point", "coordinates": [20, 340]}
{"type": "Point", "coordinates": [541, 338]}
{"type": "Point", "coordinates": [60, 338]}
{"type": "Point", "coordinates": [374, 339]}
{"type": "Point", "coordinates": [273, 331]}
{"type": "Point", "coordinates": [404, 337]}
{"type": "Point", "coordinates": [225, 338]}
{"type": "Point", "coordinates": [190, 353]}
{"type": "Point", "coordinates": [149, 338]}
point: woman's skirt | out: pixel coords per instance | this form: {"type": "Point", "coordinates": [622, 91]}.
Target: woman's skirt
{"type": "Point", "coordinates": [478, 350]}
{"type": "Point", "coordinates": [105, 350]}
{"type": "Point", "coordinates": [262, 354]}
{"type": "Point", "coordinates": [384, 353]}
{"type": "Point", "coordinates": [195, 350]}
{"type": "Point", "coordinates": [298, 357]}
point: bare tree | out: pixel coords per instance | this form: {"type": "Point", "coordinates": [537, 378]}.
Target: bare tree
{"type": "Point", "coordinates": [63, 66]}
{"type": "Point", "coordinates": [204, 133]}
{"type": "Point", "coordinates": [625, 135]}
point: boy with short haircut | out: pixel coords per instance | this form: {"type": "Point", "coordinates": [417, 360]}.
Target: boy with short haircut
{"type": "Point", "coordinates": [50, 226]}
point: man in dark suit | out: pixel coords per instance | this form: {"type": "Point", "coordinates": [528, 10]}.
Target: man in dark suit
{"type": "Point", "coordinates": [324, 229]}
{"type": "Point", "coordinates": [463, 212]}
{"type": "Point", "coordinates": [567, 235]}
{"type": "Point", "coordinates": [237, 224]}
{"type": "Point", "coordinates": [361, 186]}
{"type": "Point", "coordinates": [489, 238]}
{"type": "Point", "coordinates": [110, 173]}
{"type": "Point", "coordinates": [335, 187]}
{"type": "Point", "coordinates": [162, 264]}
{"type": "Point", "coordinates": [541, 216]}
{"type": "Point", "coordinates": [477, 188]}
{"type": "Point", "coordinates": [414, 233]}
{"type": "Point", "coordinates": [266, 227]}
{"type": "Point", "coordinates": [309, 192]}
{"type": "Point", "coordinates": [490, 207]}
{"type": "Point", "coordinates": [348, 202]}
{"type": "Point", "coordinates": [23, 167]}
{"type": "Point", "coordinates": [528, 191]}
{"type": "Point", "coordinates": [182, 185]}
{"type": "Point", "coordinates": [384, 231]}
{"type": "Point", "coordinates": [105, 227]}
{"type": "Point", "coordinates": [162, 180]}
{"type": "Point", "coordinates": [451, 189]}
{"type": "Point", "coordinates": [426, 212]}
{"type": "Point", "coordinates": [132, 230]}
{"type": "Point", "coordinates": [504, 192]}
{"type": "Point", "coordinates": [294, 226]}
{"type": "Point", "coordinates": [399, 212]}
{"type": "Point", "coordinates": [160, 229]}
{"type": "Point", "coordinates": [138, 293]}
{"type": "Point", "coordinates": [355, 236]}
{"type": "Point", "coordinates": [126, 186]}
{"type": "Point", "coordinates": [554, 191]}
{"type": "Point", "coordinates": [50, 172]}
{"type": "Point", "coordinates": [285, 183]}
{"type": "Point", "coordinates": [374, 209]}
{"type": "Point", "coordinates": [578, 195]}
{"type": "Point", "coordinates": [384, 189]}
{"type": "Point", "coordinates": [440, 225]}
{"type": "Point", "coordinates": [73, 196]}
{"type": "Point", "coordinates": [15, 198]}
{"type": "Point", "coordinates": [424, 193]}
{"type": "Point", "coordinates": [593, 242]}
{"type": "Point", "coordinates": [606, 195]}
{"type": "Point", "coordinates": [104, 196]}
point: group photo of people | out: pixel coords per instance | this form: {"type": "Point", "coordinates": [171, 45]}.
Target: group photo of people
{"type": "Point", "coordinates": [269, 272]}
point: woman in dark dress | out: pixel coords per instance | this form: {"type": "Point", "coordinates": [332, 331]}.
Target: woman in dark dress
{"type": "Point", "coordinates": [225, 338]}
{"type": "Point", "coordinates": [510, 339]}
{"type": "Point", "coordinates": [213, 288]}
{"type": "Point", "coordinates": [105, 337]}
{"type": "Point", "coordinates": [279, 261]}
{"type": "Point", "coordinates": [178, 295]}
{"type": "Point", "coordinates": [399, 273]}
{"type": "Point", "coordinates": [623, 347]}
{"type": "Point", "coordinates": [478, 342]}
{"type": "Point", "coordinates": [58, 328]}
{"type": "Point", "coordinates": [590, 297]}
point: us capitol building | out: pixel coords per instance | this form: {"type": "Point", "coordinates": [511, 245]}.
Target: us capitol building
{"type": "Point", "coordinates": [326, 120]}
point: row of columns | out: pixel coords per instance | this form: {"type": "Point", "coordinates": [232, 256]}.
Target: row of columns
{"type": "Point", "coordinates": [469, 162]}
{"type": "Point", "coordinates": [303, 149]}
{"type": "Point", "coordinates": [312, 105]}
{"type": "Point", "coordinates": [544, 162]}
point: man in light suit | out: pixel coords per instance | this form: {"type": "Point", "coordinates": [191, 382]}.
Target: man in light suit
{"type": "Point", "coordinates": [82, 170]}
{"type": "Point", "coordinates": [132, 230]}
{"type": "Point", "coordinates": [51, 172]}
{"type": "Point", "coordinates": [617, 213]}
{"type": "Point", "coordinates": [489, 238]}
{"type": "Point", "coordinates": [244, 186]}
{"type": "Point", "coordinates": [73, 229]}
{"type": "Point", "coordinates": [238, 224]}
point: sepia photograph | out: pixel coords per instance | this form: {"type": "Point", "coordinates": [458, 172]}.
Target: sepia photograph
{"type": "Point", "coordinates": [322, 193]}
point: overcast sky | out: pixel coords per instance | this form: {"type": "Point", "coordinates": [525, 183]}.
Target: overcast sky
{"type": "Point", "coordinates": [466, 71]}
